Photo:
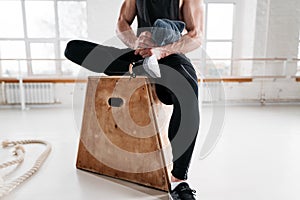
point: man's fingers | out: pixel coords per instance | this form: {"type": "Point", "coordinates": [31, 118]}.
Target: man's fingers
{"type": "Point", "coordinates": [146, 33]}
{"type": "Point", "coordinates": [145, 43]}
{"type": "Point", "coordinates": [143, 52]}
{"type": "Point", "coordinates": [137, 51]}
{"type": "Point", "coordinates": [145, 40]}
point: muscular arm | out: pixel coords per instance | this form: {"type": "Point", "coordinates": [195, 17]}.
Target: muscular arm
{"type": "Point", "coordinates": [126, 17]}
{"type": "Point", "coordinates": [192, 12]}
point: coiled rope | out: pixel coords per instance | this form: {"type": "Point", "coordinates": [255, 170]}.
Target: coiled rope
{"type": "Point", "coordinates": [19, 151]}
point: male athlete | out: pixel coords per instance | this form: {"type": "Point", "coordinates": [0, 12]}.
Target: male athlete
{"type": "Point", "coordinates": [190, 12]}
{"type": "Point", "coordinates": [179, 89]}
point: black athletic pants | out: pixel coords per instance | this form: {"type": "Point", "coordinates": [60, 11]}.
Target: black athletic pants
{"type": "Point", "coordinates": [177, 86]}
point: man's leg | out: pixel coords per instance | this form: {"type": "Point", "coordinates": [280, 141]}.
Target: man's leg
{"type": "Point", "coordinates": [184, 122]}
{"type": "Point", "coordinates": [99, 58]}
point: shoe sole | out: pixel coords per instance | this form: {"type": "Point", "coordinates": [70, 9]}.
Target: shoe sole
{"type": "Point", "coordinates": [171, 198]}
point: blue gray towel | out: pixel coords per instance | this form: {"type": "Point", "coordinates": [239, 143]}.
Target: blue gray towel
{"type": "Point", "coordinates": [165, 31]}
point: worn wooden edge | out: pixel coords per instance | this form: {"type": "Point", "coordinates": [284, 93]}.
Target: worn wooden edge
{"type": "Point", "coordinates": [158, 134]}
{"type": "Point", "coordinates": [82, 150]}
{"type": "Point", "coordinates": [97, 173]}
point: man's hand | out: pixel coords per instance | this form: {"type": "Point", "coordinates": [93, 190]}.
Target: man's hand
{"type": "Point", "coordinates": [145, 47]}
{"type": "Point", "coordinates": [144, 41]}
{"type": "Point", "coordinates": [159, 52]}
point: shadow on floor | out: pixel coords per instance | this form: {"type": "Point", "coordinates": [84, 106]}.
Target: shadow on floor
{"type": "Point", "coordinates": [132, 186]}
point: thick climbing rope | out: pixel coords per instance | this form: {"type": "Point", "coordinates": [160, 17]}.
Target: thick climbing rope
{"type": "Point", "coordinates": [19, 151]}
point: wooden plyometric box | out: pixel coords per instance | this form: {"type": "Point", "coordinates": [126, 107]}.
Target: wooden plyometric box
{"type": "Point", "coordinates": [124, 132]}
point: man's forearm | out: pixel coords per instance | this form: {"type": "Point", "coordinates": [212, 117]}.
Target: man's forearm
{"type": "Point", "coordinates": [187, 43]}
{"type": "Point", "coordinates": [126, 34]}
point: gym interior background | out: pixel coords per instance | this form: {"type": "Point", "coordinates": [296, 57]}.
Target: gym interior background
{"type": "Point", "coordinates": [249, 65]}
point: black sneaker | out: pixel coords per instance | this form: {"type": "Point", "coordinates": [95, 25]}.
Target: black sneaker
{"type": "Point", "coordinates": [183, 192]}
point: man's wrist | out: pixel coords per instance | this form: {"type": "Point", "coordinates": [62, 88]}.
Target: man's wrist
{"type": "Point", "coordinates": [166, 50]}
{"type": "Point", "coordinates": [161, 52]}
{"type": "Point", "coordinates": [132, 45]}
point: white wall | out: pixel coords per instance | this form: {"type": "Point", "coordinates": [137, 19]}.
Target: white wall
{"type": "Point", "coordinates": [63, 93]}
{"type": "Point", "coordinates": [244, 35]}
{"type": "Point", "coordinates": [260, 90]}
{"type": "Point", "coordinates": [102, 19]}
{"type": "Point", "coordinates": [276, 34]}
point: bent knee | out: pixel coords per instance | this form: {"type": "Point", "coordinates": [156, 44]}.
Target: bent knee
{"type": "Point", "coordinates": [71, 47]}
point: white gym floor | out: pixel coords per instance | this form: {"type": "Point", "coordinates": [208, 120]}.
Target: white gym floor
{"type": "Point", "coordinates": [257, 158]}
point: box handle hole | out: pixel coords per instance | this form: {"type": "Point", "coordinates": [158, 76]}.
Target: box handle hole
{"type": "Point", "coordinates": [115, 102]}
